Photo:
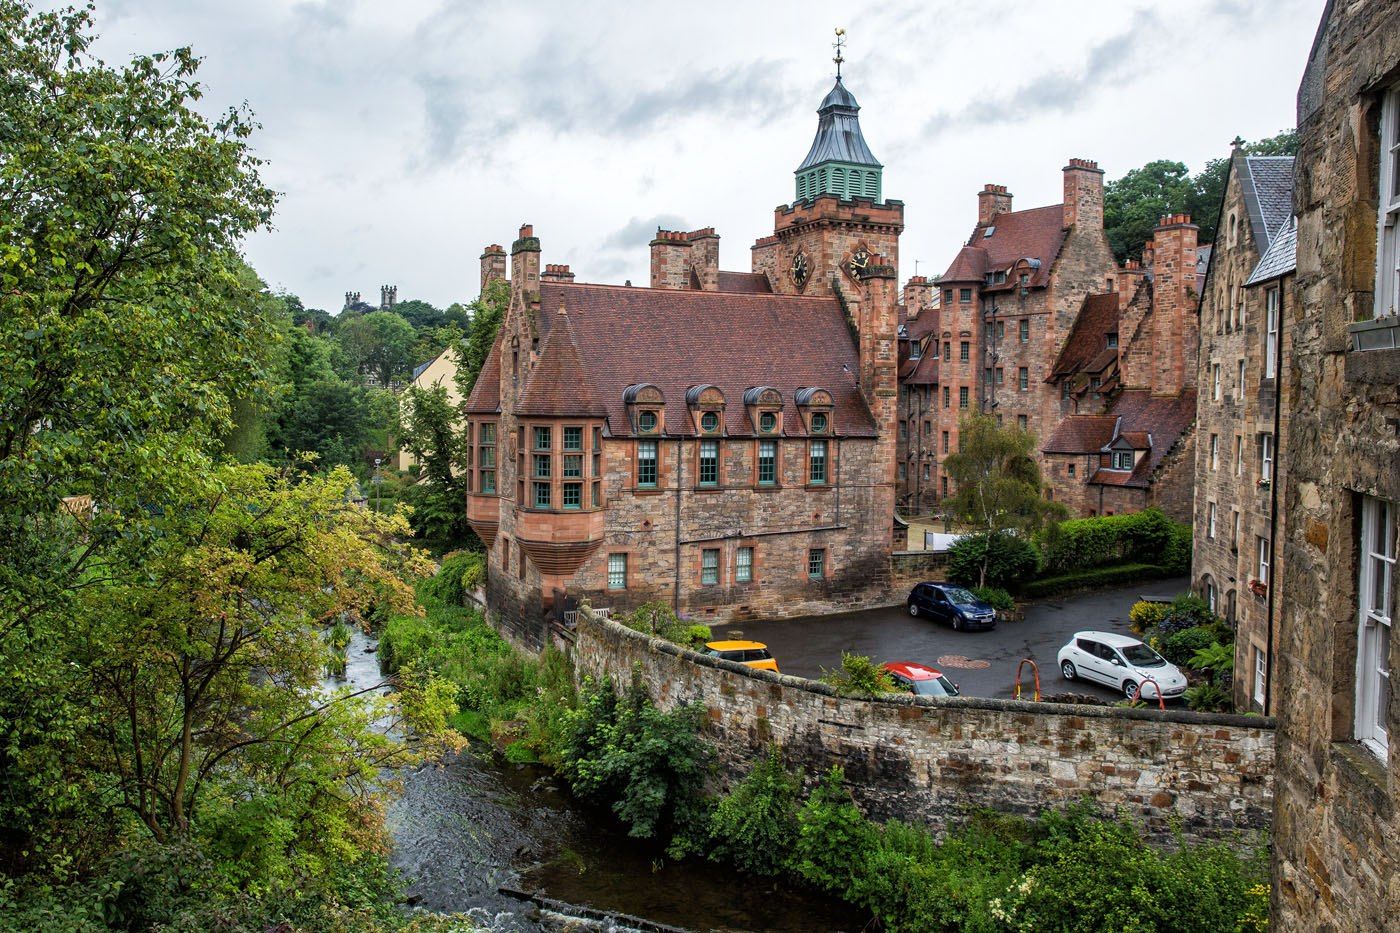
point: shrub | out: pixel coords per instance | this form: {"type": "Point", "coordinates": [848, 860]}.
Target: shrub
{"type": "Point", "coordinates": [1097, 576]}
{"type": "Point", "coordinates": [1145, 615]}
{"type": "Point", "coordinates": [754, 826]}
{"type": "Point", "coordinates": [658, 618]}
{"type": "Point", "coordinates": [1208, 698]}
{"type": "Point", "coordinates": [1176, 556]}
{"type": "Point", "coordinates": [460, 573]}
{"type": "Point", "coordinates": [1139, 537]}
{"type": "Point", "coordinates": [1179, 648]}
{"type": "Point", "coordinates": [995, 596]}
{"type": "Point", "coordinates": [1009, 558]}
{"type": "Point", "coordinates": [834, 839]}
{"type": "Point", "coordinates": [1186, 611]}
{"type": "Point", "coordinates": [859, 676]}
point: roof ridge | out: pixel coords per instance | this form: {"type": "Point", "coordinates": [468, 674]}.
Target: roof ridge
{"type": "Point", "coordinates": [691, 291]}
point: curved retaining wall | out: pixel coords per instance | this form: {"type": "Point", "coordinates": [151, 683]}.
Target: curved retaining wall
{"type": "Point", "coordinates": [917, 758]}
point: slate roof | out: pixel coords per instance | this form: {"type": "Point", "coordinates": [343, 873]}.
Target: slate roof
{"type": "Point", "coordinates": [1267, 183]}
{"type": "Point", "coordinates": [1086, 349]}
{"type": "Point", "coordinates": [1036, 234]}
{"type": "Point", "coordinates": [678, 339]}
{"type": "Point", "coordinates": [418, 370]}
{"type": "Point", "coordinates": [485, 398]}
{"type": "Point", "coordinates": [745, 283]}
{"type": "Point", "coordinates": [1281, 257]}
{"type": "Point", "coordinates": [558, 384]}
{"type": "Point", "coordinates": [839, 138]}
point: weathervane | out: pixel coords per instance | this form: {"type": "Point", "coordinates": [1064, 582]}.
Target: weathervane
{"type": "Point", "coordinates": [838, 45]}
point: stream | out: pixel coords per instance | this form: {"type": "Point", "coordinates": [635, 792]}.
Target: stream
{"type": "Point", "coordinates": [473, 823]}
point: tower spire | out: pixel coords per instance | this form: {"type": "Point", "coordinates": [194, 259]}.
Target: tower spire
{"type": "Point", "coordinates": [838, 45]}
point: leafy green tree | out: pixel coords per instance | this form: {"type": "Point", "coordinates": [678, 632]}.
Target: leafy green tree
{"type": "Point", "coordinates": [430, 429]}
{"type": "Point", "coordinates": [487, 313]}
{"type": "Point", "coordinates": [1133, 204]}
{"type": "Point", "coordinates": [330, 418]}
{"type": "Point", "coordinates": [421, 314]}
{"type": "Point", "coordinates": [379, 343]}
{"type": "Point", "coordinates": [997, 485]}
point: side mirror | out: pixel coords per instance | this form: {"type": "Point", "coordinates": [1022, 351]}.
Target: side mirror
{"type": "Point", "coordinates": [1118, 662]}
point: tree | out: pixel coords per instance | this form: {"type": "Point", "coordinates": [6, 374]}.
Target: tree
{"type": "Point", "coordinates": [430, 429]}
{"type": "Point", "coordinates": [997, 484]}
{"type": "Point", "coordinates": [487, 313]}
{"type": "Point", "coordinates": [1133, 204]}
{"type": "Point", "coordinates": [1210, 183]}
{"type": "Point", "coordinates": [421, 314]}
{"type": "Point", "coordinates": [379, 343]}
{"type": "Point", "coordinates": [330, 418]}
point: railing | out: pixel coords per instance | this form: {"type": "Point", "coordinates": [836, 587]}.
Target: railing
{"type": "Point", "coordinates": [571, 616]}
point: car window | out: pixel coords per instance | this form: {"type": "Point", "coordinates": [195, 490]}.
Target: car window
{"type": "Point", "coordinates": [1142, 656]}
{"type": "Point", "coordinates": [1091, 647]}
{"type": "Point", "coordinates": [960, 596]}
{"type": "Point", "coordinates": [732, 655]}
{"type": "Point", "coordinates": [758, 654]}
{"type": "Point", "coordinates": [1107, 653]}
{"type": "Point", "coordinates": [935, 687]}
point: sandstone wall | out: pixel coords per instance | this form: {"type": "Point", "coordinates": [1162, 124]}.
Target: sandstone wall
{"type": "Point", "coordinates": [936, 760]}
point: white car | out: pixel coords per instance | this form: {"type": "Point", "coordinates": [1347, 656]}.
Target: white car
{"type": "Point", "coordinates": [1123, 663]}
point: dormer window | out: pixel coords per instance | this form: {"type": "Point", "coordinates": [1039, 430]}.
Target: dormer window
{"type": "Point", "coordinates": [916, 350]}
{"type": "Point", "coordinates": [1112, 341]}
{"type": "Point", "coordinates": [1122, 460]}
{"type": "Point", "coordinates": [646, 422]}
{"type": "Point", "coordinates": [645, 407]}
{"type": "Point", "coordinates": [709, 422]}
{"type": "Point", "coordinates": [706, 404]}
{"type": "Point", "coordinates": [819, 422]}
{"type": "Point", "coordinates": [816, 406]}
{"type": "Point", "coordinates": [768, 422]}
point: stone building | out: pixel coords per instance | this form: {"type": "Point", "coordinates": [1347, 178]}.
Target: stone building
{"type": "Point", "coordinates": [722, 441]}
{"type": "Point", "coordinates": [1336, 842]}
{"type": "Point", "coordinates": [916, 489]}
{"type": "Point", "coordinates": [1038, 327]}
{"type": "Point", "coordinates": [1242, 414]}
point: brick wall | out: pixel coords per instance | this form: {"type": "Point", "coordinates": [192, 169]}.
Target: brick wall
{"type": "Point", "coordinates": [936, 760]}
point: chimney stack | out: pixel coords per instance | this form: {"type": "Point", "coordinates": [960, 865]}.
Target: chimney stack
{"type": "Point", "coordinates": [493, 265]}
{"type": "Point", "coordinates": [918, 294]}
{"type": "Point", "coordinates": [556, 272]}
{"type": "Point", "coordinates": [991, 201]}
{"type": "Point", "coordinates": [525, 261]}
{"type": "Point", "coordinates": [1175, 327]}
{"type": "Point", "coordinates": [1083, 194]}
{"type": "Point", "coordinates": [681, 260]}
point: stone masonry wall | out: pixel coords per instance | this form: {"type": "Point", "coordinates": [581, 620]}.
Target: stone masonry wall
{"type": "Point", "coordinates": [933, 761]}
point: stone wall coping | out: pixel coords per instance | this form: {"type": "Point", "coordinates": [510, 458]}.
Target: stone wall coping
{"type": "Point", "coordinates": [1183, 717]}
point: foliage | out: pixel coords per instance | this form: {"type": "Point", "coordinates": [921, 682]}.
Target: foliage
{"type": "Point", "coordinates": [995, 596]}
{"type": "Point", "coordinates": [380, 344]}
{"type": "Point", "coordinates": [754, 826]}
{"type": "Point", "coordinates": [997, 483]}
{"type": "Point", "coordinates": [1081, 543]}
{"type": "Point", "coordinates": [1208, 698]}
{"type": "Point", "coordinates": [487, 312]}
{"type": "Point", "coordinates": [657, 618]}
{"type": "Point", "coordinates": [1186, 611]}
{"type": "Point", "coordinates": [337, 642]}
{"type": "Point", "coordinates": [1176, 557]}
{"type": "Point", "coordinates": [859, 676]}
{"type": "Point", "coordinates": [458, 575]}
{"type": "Point", "coordinates": [1094, 577]}
{"type": "Point", "coordinates": [649, 766]}
{"type": "Point", "coordinates": [992, 561]}
{"type": "Point", "coordinates": [833, 837]}
{"type": "Point", "coordinates": [1181, 646]}
{"type": "Point", "coordinates": [1213, 657]}
{"type": "Point", "coordinates": [1146, 614]}
{"type": "Point", "coordinates": [429, 427]}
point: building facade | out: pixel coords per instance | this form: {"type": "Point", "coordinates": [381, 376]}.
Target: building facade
{"type": "Point", "coordinates": [722, 441]}
{"type": "Point", "coordinates": [1336, 837]}
{"type": "Point", "coordinates": [1243, 413]}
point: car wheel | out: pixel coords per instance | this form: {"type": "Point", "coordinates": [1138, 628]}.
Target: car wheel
{"type": "Point", "coordinates": [1130, 690]}
{"type": "Point", "coordinates": [913, 609]}
{"type": "Point", "coordinates": [957, 623]}
{"type": "Point", "coordinates": [1067, 670]}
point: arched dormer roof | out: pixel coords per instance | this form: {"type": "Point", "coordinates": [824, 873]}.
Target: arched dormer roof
{"type": "Point", "coordinates": [705, 394]}
{"type": "Point", "coordinates": [643, 393]}
{"type": "Point", "coordinates": [813, 396]}
{"type": "Point", "coordinates": [762, 395]}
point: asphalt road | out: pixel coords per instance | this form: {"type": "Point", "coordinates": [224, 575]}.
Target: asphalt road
{"type": "Point", "coordinates": [806, 647]}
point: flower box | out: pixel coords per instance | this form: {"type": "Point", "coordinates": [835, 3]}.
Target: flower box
{"type": "Point", "coordinates": [1259, 588]}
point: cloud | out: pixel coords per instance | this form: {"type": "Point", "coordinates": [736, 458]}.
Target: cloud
{"type": "Point", "coordinates": [639, 232]}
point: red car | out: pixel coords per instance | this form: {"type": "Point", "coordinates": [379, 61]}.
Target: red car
{"type": "Point", "coordinates": [920, 679]}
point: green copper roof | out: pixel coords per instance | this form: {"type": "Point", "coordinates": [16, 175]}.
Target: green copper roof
{"type": "Point", "coordinates": [839, 161]}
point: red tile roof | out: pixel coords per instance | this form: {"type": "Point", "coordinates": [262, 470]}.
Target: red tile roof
{"type": "Point", "coordinates": [1165, 417]}
{"type": "Point", "coordinates": [1081, 434]}
{"type": "Point", "coordinates": [970, 265]}
{"type": "Point", "coordinates": [558, 385]}
{"type": "Point", "coordinates": [485, 397]}
{"type": "Point", "coordinates": [924, 373]}
{"type": "Point", "coordinates": [745, 283]}
{"type": "Point", "coordinates": [1037, 233]}
{"type": "Point", "coordinates": [1086, 348]}
{"type": "Point", "coordinates": [679, 339]}
{"type": "Point", "coordinates": [923, 325]}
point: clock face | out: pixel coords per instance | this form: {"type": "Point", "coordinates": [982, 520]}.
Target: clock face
{"type": "Point", "coordinates": [800, 270]}
{"type": "Point", "coordinates": [858, 262]}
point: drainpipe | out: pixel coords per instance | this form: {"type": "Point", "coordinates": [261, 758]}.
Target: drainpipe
{"type": "Point", "coordinates": [1274, 482]}
{"type": "Point", "coordinates": [680, 477]}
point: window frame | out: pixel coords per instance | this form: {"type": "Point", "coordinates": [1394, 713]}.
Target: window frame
{"type": "Point", "coordinates": [709, 566]}
{"type": "Point", "coordinates": [1266, 457]}
{"type": "Point", "coordinates": [1387, 288]}
{"type": "Point", "coordinates": [613, 573]}
{"type": "Point", "coordinates": [1272, 300]}
{"type": "Point", "coordinates": [1375, 613]}
{"type": "Point", "coordinates": [743, 570]}
{"type": "Point", "coordinates": [655, 448]}
{"type": "Point", "coordinates": [818, 465]}
{"type": "Point", "coordinates": [816, 563]}
{"type": "Point", "coordinates": [705, 463]}
{"type": "Point", "coordinates": [769, 460]}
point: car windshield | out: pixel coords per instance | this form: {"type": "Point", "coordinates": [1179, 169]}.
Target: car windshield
{"type": "Point", "coordinates": [939, 686]}
{"type": "Point", "coordinates": [1140, 655]}
{"type": "Point", "coordinates": [959, 595]}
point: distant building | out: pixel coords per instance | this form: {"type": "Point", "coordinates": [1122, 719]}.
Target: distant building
{"type": "Point", "coordinates": [440, 370]}
{"type": "Point", "coordinates": [722, 441]}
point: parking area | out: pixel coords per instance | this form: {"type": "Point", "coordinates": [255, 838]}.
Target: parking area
{"type": "Point", "coordinates": [981, 663]}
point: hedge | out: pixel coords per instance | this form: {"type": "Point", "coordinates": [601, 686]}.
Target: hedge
{"type": "Point", "coordinates": [1094, 576]}
{"type": "Point", "coordinates": [1146, 537]}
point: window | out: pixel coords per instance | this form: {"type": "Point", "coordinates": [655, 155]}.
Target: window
{"type": "Point", "coordinates": [1094, 384]}
{"type": "Point", "coordinates": [947, 355]}
{"type": "Point", "coordinates": [962, 396]}
{"type": "Point", "coordinates": [1388, 236]}
{"type": "Point", "coordinates": [709, 422]}
{"type": "Point", "coordinates": [543, 436]}
{"type": "Point", "coordinates": [1122, 460]}
{"type": "Point", "coordinates": [963, 354]}
{"type": "Point", "coordinates": [1234, 529]}
{"type": "Point", "coordinates": [1001, 375]}
{"type": "Point", "coordinates": [767, 422]}
{"type": "Point", "coordinates": [945, 442]}
{"type": "Point", "coordinates": [816, 563]}
{"type": "Point", "coordinates": [819, 422]}
{"type": "Point", "coordinates": [1239, 382]}
{"type": "Point", "coordinates": [1025, 327]}
{"type": "Point", "coordinates": [1112, 341]}
{"type": "Point", "coordinates": [617, 571]}
{"type": "Point", "coordinates": [573, 466]}
{"type": "Point", "coordinates": [1377, 554]}
{"type": "Point", "coordinates": [947, 296]}
{"type": "Point", "coordinates": [709, 566]}
{"type": "Point", "coordinates": [646, 422]}
{"type": "Point", "coordinates": [1215, 381]}
{"type": "Point", "coordinates": [1023, 378]}
{"type": "Point", "coordinates": [767, 463]}
{"type": "Point", "coordinates": [1271, 299]}
{"type": "Point", "coordinates": [709, 463]}
{"type": "Point", "coordinates": [542, 495]}
{"type": "Point", "coordinates": [1071, 471]}
{"type": "Point", "coordinates": [928, 472]}
{"type": "Point", "coordinates": [903, 473]}
{"type": "Point", "coordinates": [904, 430]}
{"type": "Point", "coordinates": [1210, 521]}
{"type": "Point", "coordinates": [1210, 594]}
{"type": "Point", "coordinates": [573, 438]}
{"type": "Point", "coordinates": [916, 350]}
{"type": "Point", "coordinates": [743, 565]}
{"type": "Point", "coordinates": [597, 495]}
{"type": "Point", "coordinates": [486, 458]}
{"type": "Point", "coordinates": [1022, 422]}
{"type": "Point", "coordinates": [1266, 458]}
{"type": "Point", "coordinates": [646, 463]}
{"type": "Point", "coordinates": [816, 466]}
{"type": "Point", "coordinates": [573, 495]}
{"type": "Point", "coordinates": [542, 462]}
{"type": "Point", "coordinates": [1260, 674]}
{"type": "Point", "coordinates": [1214, 451]}
{"type": "Point", "coordinates": [597, 451]}
{"type": "Point", "coordinates": [964, 295]}
{"type": "Point", "coordinates": [946, 390]}
{"type": "Point", "coordinates": [1239, 454]}
{"type": "Point", "coordinates": [1262, 571]}
{"type": "Point", "coordinates": [943, 484]}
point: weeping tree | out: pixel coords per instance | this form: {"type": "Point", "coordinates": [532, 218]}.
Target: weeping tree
{"type": "Point", "coordinates": [997, 485]}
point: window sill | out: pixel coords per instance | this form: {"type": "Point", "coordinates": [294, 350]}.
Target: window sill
{"type": "Point", "coordinates": [1374, 356]}
{"type": "Point", "coordinates": [708, 489]}
{"type": "Point", "coordinates": [817, 487]}
{"type": "Point", "coordinates": [1361, 769]}
{"type": "Point", "coordinates": [647, 491]}
{"type": "Point", "coordinates": [1382, 333]}
{"type": "Point", "coordinates": [768, 487]}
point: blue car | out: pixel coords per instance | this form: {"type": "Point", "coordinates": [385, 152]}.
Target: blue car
{"type": "Point", "coordinates": [945, 602]}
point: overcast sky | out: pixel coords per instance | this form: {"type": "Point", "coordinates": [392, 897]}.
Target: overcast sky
{"type": "Point", "coordinates": [404, 136]}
